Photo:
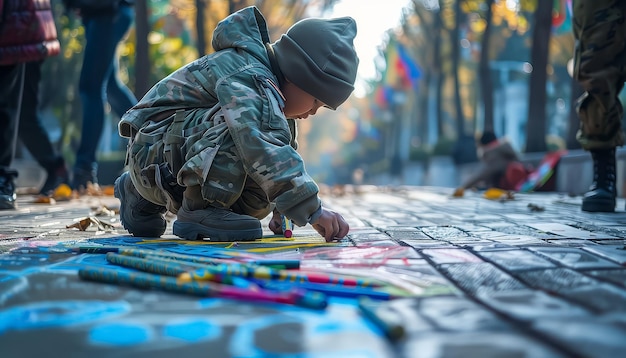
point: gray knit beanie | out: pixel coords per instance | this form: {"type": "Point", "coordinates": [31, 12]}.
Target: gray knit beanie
{"type": "Point", "coordinates": [318, 56]}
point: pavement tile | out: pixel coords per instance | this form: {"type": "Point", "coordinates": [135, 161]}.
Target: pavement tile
{"type": "Point", "coordinates": [449, 256]}
{"type": "Point", "coordinates": [520, 240]}
{"type": "Point", "coordinates": [555, 280]}
{"type": "Point", "coordinates": [444, 233]}
{"type": "Point", "coordinates": [528, 305]}
{"type": "Point", "coordinates": [615, 254]}
{"type": "Point", "coordinates": [365, 243]}
{"type": "Point", "coordinates": [516, 260]}
{"type": "Point", "coordinates": [568, 231]}
{"type": "Point", "coordinates": [477, 278]}
{"type": "Point", "coordinates": [459, 314]}
{"type": "Point", "coordinates": [613, 243]}
{"type": "Point", "coordinates": [520, 218]}
{"type": "Point", "coordinates": [602, 298]}
{"type": "Point", "coordinates": [420, 244]}
{"type": "Point", "coordinates": [585, 337]}
{"type": "Point", "coordinates": [477, 344]}
{"type": "Point", "coordinates": [494, 246]}
{"type": "Point", "coordinates": [571, 242]}
{"type": "Point", "coordinates": [573, 257]}
{"type": "Point", "coordinates": [526, 230]}
{"type": "Point", "coordinates": [470, 228]}
{"type": "Point", "coordinates": [616, 276]}
{"type": "Point", "coordinates": [427, 280]}
{"type": "Point", "coordinates": [408, 234]}
{"type": "Point", "coordinates": [471, 241]}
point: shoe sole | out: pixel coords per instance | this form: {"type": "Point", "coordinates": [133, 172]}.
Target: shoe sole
{"type": "Point", "coordinates": [119, 192]}
{"type": "Point", "coordinates": [195, 231]}
{"type": "Point", "coordinates": [599, 206]}
{"type": "Point", "coordinates": [7, 206]}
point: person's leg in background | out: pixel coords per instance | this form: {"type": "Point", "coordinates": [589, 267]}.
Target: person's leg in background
{"type": "Point", "coordinates": [599, 66]}
{"type": "Point", "coordinates": [103, 34]}
{"type": "Point", "coordinates": [10, 82]}
{"type": "Point", "coordinates": [34, 136]}
{"type": "Point", "coordinates": [120, 97]}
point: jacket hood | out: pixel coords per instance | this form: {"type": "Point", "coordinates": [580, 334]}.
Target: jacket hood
{"type": "Point", "coordinates": [245, 30]}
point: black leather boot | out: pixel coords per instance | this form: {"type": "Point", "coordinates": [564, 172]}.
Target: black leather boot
{"type": "Point", "coordinates": [602, 193]}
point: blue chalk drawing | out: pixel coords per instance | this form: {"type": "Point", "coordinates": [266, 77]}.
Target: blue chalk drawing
{"type": "Point", "coordinates": [59, 314]}
{"type": "Point", "coordinates": [193, 330]}
{"type": "Point", "coordinates": [120, 334]}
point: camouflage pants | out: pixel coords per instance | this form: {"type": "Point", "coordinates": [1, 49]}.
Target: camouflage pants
{"type": "Point", "coordinates": [204, 160]}
{"type": "Point", "coordinates": [600, 68]}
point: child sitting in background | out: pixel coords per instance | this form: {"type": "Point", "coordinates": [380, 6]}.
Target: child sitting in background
{"type": "Point", "coordinates": [500, 165]}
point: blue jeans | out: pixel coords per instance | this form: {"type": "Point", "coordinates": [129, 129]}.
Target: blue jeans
{"type": "Point", "coordinates": [99, 82]}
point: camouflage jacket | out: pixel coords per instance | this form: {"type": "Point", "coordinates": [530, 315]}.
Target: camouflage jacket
{"type": "Point", "coordinates": [237, 86]}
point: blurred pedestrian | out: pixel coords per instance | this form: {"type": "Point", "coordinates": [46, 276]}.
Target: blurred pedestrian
{"type": "Point", "coordinates": [27, 34]}
{"type": "Point", "coordinates": [106, 22]}
{"type": "Point", "coordinates": [600, 68]}
{"type": "Point", "coordinates": [33, 134]}
{"type": "Point", "coordinates": [496, 157]}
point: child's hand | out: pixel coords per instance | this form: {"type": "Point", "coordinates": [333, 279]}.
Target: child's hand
{"type": "Point", "coordinates": [331, 225]}
{"type": "Point", "coordinates": [276, 223]}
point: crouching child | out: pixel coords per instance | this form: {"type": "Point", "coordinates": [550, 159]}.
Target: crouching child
{"type": "Point", "coordinates": [214, 142]}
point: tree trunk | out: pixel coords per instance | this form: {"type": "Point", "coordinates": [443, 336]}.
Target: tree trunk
{"type": "Point", "coordinates": [234, 5]}
{"type": "Point", "coordinates": [438, 76]}
{"type": "Point", "coordinates": [142, 57]}
{"type": "Point", "coordinates": [456, 60]}
{"type": "Point", "coordinates": [200, 25]}
{"type": "Point", "coordinates": [422, 107]}
{"type": "Point", "coordinates": [536, 124]}
{"type": "Point", "coordinates": [486, 84]}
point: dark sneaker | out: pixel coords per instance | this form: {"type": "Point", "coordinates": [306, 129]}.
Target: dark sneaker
{"type": "Point", "coordinates": [82, 177]}
{"type": "Point", "coordinates": [57, 175]}
{"type": "Point", "coordinates": [7, 192]}
{"type": "Point", "coordinates": [138, 215]}
{"type": "Point", "coordinates": [217, 225]}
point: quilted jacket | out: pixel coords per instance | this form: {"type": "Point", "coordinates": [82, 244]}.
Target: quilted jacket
{"type": "Point", "coordinates": [27, 31]}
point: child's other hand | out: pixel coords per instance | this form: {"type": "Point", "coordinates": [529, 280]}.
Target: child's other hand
{"type": "Point", "coordinates": [331, 225]}
{"type": "Point", "coordinates": [276, 223]}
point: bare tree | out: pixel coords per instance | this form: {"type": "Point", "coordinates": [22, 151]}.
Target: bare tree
{"type": "Point", "coordinates": [200, 37]}
{"type": "Point", "coordinates": [456, 59]}
{"type": "Point", "coordinates": [536, 124]}
{"type": "Point", "coordinates": [486, 84]}
{"type": "Point", "coordinates": [142, 58]}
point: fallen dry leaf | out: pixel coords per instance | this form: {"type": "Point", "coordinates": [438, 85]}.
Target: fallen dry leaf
{"type": "Point", "coordinates": [42, 199]}
{"type": "Point", "coordinates": [458, 193]}
{"type": "Point", "coordinates": [498, 194]}
{"type": "Point", "coordinates": [83, 224]}
{"type": "Point", "coordinates": [62, 192]}
{"type": "Point", "coordinates": [108, 190]}
{"type": "Point", "coordinates": [104, 211]}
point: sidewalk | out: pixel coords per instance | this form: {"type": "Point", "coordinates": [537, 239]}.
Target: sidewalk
{"type": "Point", "coordinates": [529, 277]}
